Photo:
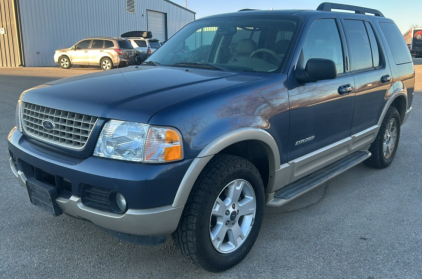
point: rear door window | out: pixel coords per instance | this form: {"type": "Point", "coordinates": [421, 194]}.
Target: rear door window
{"type": "Point", "coordinates": [323, 41]}
{"type": "Point", "coordinates": [376, 52]}
{"type": "Point", "coordinates": [108, 44]}
{"type": "Point", "coordinates": [97, 44]}
{"type": "Point", "coordinates": [84, 44]}
{"type": "Point", "coordinates": [125, 44]}
{"type": "Point", "coordinates": [360, 46]}
{"type": "Point", "coordinates": [396, 43]}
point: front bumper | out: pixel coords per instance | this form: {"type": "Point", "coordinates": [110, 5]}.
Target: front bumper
{"type": "Point", "coordinates": [143, 186]}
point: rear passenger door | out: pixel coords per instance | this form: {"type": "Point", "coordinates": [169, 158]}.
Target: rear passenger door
{"type": "Point", "coordinates": [96, 52]}
{"type": "Point", "coordinates": [372, 76]}
{"type": "Point", "coordinates": [320, 113]}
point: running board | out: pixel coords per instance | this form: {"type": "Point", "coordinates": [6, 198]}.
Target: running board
{"type": "Point", "coordinates": [303, 185]}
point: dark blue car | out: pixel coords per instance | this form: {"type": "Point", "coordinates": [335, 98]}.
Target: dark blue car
{"type": "Point", "coordinates": [235, 112]}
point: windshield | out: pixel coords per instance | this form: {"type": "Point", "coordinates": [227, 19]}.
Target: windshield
{"type": "Point", "coordinates": [254, 44]}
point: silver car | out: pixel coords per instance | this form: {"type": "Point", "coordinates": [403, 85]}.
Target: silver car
{"type": "Point", "coordinates": [144, 46]}
{"type": "Point", "coordinates": [105, 52]}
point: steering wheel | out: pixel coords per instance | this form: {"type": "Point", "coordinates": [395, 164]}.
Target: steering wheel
{"type": "Point", "coordinates": [269, 51]}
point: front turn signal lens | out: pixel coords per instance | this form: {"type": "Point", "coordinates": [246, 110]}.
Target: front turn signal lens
{"type": "Point", "coordinates": [163, 145]}
{"type": "Point", "coordinates": [173, 151]}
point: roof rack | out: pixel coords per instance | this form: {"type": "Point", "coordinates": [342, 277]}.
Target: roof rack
{"type": "Point", "coordinates": [326, 6]}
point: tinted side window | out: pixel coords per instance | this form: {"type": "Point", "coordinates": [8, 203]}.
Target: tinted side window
{"type": "Point", "coordinates": [108, 44]}
{"type": "Point", "coordinates": [374, 45]}
{"type": "Point", "coordinates": [396, 43]}
{"type": "Point", "coordinates": [360, 47]}
{"type": "Point", "coordinates": [83, 44]}
{"type": "Point", "coordinates": [96, 44]}
{"type": "Point", "coordinates": [323, 41]}
{"type": "Point", "coordinates": [141, 43]}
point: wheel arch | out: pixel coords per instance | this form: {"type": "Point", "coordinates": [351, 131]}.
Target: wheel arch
{"type": "Point", "coordinates": [105, 56]}
{"type": "Point", "coordinates": [222, 143]}
{"type": "Point", "coordinates": [398, 99]}
{"type": "Point", "coordinates": [65, 54]}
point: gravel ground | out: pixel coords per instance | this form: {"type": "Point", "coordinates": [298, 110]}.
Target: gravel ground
{"type": "Point", "coordinates": [365, 223]}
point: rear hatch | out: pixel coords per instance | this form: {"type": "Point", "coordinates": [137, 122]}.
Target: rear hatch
{"type": "Point", "coordinates": [128, 52]}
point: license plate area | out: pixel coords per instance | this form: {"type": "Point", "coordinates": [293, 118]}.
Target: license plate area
{"type": "Point", "coordinates": [43, 196]}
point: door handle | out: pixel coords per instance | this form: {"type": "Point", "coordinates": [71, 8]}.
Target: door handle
{"type": "Point", "coordinates": [385, 79]}
{"type": "Point", "coordinates": [344, 89]}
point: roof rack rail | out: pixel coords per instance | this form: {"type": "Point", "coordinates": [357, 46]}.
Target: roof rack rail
{"type": "Point", "coordinates": [246, 10]}
{"type": "Point", "coordinates": [326, 6]}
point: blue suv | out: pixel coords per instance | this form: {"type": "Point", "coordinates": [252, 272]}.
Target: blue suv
{"type": "Point", "coordinates": [235, 112]}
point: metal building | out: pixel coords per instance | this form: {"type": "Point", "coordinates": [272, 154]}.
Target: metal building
{"type": "Point", "coordinates": [31, 30]}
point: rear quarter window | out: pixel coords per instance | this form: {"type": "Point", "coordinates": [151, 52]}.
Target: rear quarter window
{"type": "Point", "coordinates": [125, 44]}
{"type": "Point", "coordinates": [396, 43]}
{"type": "Point", "coordinates": [108, 44]}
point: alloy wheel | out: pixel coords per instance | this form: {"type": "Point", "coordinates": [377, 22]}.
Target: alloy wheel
{"type": "Point", "coordinates": [232, 216]}
{"type": "Point", "coordinates": [390, 138]}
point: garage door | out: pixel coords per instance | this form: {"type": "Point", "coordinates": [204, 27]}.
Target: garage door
{"type": "Point", "coordinates": [157, 25]}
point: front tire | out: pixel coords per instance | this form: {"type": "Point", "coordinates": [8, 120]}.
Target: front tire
{"type": "Point", "coordinates": [223, 215]}
{"type": "Point", "coordinates": [106, 64]}
{"type": "Point", "coordinates": [64, 62]}
{"type": "Point", "coordinates": [385, 146]}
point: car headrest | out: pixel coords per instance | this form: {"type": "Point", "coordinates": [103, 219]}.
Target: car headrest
{"type": "Point", "coordinates": [245, 47]}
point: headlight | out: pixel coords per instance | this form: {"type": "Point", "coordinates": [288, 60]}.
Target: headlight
{"type": "Point", "coordinates": [136, 142]}
{"type": "Point", "coordinates": [18, 116]}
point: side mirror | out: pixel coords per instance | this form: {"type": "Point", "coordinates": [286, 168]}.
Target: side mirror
{"type": "Point", "coordinates": [73, 48]}
{"type": "Point", "coordinates": [316, 69]}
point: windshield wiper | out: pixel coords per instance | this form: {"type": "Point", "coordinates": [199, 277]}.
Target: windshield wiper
{"type": "Point", "coordinates": [200, 65]}
{"type": "Point", "coordinates": [151, 63]}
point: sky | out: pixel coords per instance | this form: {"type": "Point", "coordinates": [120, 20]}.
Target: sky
{"type": "Point", "coordinates": [405, 13]}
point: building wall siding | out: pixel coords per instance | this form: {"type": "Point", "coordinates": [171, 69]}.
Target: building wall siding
{"type": "Point", "coordinates": [48, 25]}
{"type": "Point", "coordinates": [9, 42]}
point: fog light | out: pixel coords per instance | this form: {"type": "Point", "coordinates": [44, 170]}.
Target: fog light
{"type": "Point", "coordinates": [121, 202]}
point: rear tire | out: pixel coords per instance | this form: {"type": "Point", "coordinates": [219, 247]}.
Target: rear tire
{"type": "Point", "coordinates": [385, 146]}
{"type": "Point", "coordinates": [106, 64]}
{"type": "Point", "coordinates": [223, 214]}
{"type": "Point", "coordinates": [64, 62]}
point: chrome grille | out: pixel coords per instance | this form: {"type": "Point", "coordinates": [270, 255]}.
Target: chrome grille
{"type": "Point", "coordinates": [71, 130]}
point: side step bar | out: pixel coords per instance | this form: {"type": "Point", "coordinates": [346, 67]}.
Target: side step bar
{"type": "Point", "coordinates": [303, 185]}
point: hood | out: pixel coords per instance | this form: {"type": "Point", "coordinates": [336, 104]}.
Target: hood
{"type": "Point", "coordinates": [133, 93]}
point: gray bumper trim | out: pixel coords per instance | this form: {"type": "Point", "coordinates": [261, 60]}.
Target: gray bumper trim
{"type": "Point", "coordinates": [153, 221]}
{"type": "Point", "coordinates": [18, 174]}
{"type": "Point", "coordinates": [406, 116]}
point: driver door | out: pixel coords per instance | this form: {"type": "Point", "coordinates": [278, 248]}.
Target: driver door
{"type": "Point", "coordinates": [320, 113]}
{"type": "Point", "coordinates": [80, 55]}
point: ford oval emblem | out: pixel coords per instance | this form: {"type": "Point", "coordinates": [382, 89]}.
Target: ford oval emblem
{"type": "Point", "coordinates": [48, 125]}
